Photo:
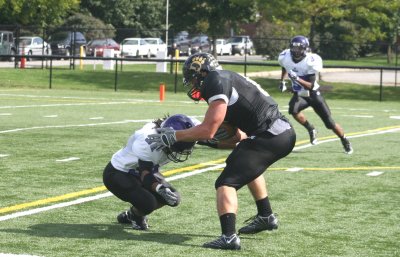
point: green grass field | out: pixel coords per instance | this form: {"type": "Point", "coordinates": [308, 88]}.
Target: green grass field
{"type": "Point", "coordinates": [327, 203]}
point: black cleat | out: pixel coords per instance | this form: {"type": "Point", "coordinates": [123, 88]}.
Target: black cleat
{"type": "Point", "coordinates": [225, 243]}
{"type": "Point", "coordinates": [259, 223]}
{"type": "Point", "coordinates": [138, 222]}
{"type": "Point", "coordinates": [313, 136]}
{"type": "Point", "coordinates": [124, 217]}
{"type": "Point", "coordinates": [346, 145]}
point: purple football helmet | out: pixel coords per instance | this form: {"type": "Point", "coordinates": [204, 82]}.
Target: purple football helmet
{"type": "Point", "coordinates": [298, 48]}
{"type": "Point", "coordinates": [180, 151]}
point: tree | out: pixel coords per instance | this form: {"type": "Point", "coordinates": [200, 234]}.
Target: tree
{"type": "Point", "coordinates": [327, 22]}
{"type": "Point", "coordinates": [211, 17]}
{"type": "Point", "coordinates": [142, 17]}
{"type": "Point", "coordinates": [92, 27]}
{"type": "Point", "coordinates": [36, 12]}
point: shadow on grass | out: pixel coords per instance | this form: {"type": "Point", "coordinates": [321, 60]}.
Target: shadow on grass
{"type": "Point", "coordinates": [100, 231]}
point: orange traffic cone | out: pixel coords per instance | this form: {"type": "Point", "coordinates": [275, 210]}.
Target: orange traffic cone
{"type": "Point", "coordinates": [23, 60]}
{"type": "Point", "coordinates": [162, 92]}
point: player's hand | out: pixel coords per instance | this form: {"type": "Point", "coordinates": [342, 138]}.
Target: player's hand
{"type": "Point", "coordinates": [165, 138]}
{"type": "Point", "coordinates": [293, 75]}
{"type": "Point", "coordinates": [282, 86]}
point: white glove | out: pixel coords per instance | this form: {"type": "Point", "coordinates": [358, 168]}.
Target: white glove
{"type": "Point", "coordinates": [165, 138]}
{"type": "Point", "coordinates": [282, 86]}
{"type": "Point", "coordinates": [293, 75]}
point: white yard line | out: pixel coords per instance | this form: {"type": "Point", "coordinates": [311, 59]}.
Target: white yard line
{"type": "Point", "coordinates": [80, 125]}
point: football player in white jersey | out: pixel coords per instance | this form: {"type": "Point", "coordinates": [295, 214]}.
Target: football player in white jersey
{"type": "Point", "coordinates": [133, 173]}
{"type": "Point", "coordinates": [302, 68]}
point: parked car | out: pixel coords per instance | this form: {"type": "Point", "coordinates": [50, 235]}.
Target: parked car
{"type": "Point", "coordinates": [33, 46]}
{"type": "Point", "coordinates": [67, 43]}
{"type": "Point", "coordinates": [156, 45]}
{"type": "Point", "coordinates": [241, 45]}
{"type": "Point", "coordinates": [7, 45]}
{"type": "Point", "coordinates": [135, 47]}
{"type": "Point", "coordinates": [180, 42]}
{"type": "Point", "coordinates": [96, 47]}
{"type": "Point", "coordinates": [200, 44]}
{"type": "Point", "coordinates": [223, 47]}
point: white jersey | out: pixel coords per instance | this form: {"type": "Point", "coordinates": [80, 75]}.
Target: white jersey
{"type": "Point", "coordinates": [310, 65]}
{"type": "Point", "coordinates": [127, 158]}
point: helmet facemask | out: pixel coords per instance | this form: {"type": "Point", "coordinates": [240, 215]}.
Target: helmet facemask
{"type": "Point", "coordinates": [194, 80]}
{"type": "Point", "coordinates": [297, 52]}
{"type": "Point", "coordinates": [179, 153]}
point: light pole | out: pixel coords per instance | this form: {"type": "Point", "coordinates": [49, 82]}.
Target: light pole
{"type": "Point", "coordinates": [166, 23]}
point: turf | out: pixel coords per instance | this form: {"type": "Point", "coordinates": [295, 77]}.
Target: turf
{"type": "Point", "coordinates": [328, 208]}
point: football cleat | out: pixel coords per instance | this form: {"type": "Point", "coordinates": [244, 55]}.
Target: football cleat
{"type": "Point", "coordinates": [259, 223]}
{"type": "Point", "coordinates": [124, 217]}
{"type": "Point", "coordinates": [313, 136]}
{"type": "Point", "coordinates": [346, 145]}
{"type": "Point", "coordinates": [225, 243]}
{"type": "Point", "coordinates": [138, 222]}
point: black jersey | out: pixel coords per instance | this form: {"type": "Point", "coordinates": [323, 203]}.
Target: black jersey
{"type": "Point", "coordinates": [250, 108]}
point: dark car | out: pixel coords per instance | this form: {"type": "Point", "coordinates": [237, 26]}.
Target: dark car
{"type": "Point", "coordinates": [67, 43]}
{"type": "Point", "coordinates": [96, 47]}
{"type": "Point", "coordinates": [180, 42]}
{"type": "Point", "coordinates": [200, 44]}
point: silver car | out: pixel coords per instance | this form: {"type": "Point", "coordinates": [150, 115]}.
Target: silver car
{"type": "Point", "coordinates": [33, 46]}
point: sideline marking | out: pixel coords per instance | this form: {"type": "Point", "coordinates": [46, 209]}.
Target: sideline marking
{"type": "Point", "coordinates": [96, 118]}
{"type": "Point", "coordinates": [375, 173]}
{"type": "Point", "coordinates": [51, 116]}
{"type": "Point", "coordinates": [68, 159]}
{"type": "Point", "coordinates": [17, 255]}
{"type": "Point", "coordinates": [4, 155]}
{"type": "Point", "coordinates": [5, 114]}
{"type": "Point", "coordinates": [83, 125]}
{"type": "Point", "coordinates": [102, 188]}
{"type": "Point", "coordinates": [395, 117]}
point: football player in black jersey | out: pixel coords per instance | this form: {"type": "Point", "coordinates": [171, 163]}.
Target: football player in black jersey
{"type": "Point", "coordinates": [243, 103]}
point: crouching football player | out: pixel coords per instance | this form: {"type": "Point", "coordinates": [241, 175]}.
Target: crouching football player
{"type": "Point", "coordinates": [133, 173]}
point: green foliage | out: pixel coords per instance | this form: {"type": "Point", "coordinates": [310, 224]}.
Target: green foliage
{"type": "Point", "coordinates": [142, 17]}
{"type": "Point", "coordinates": [36, 12]}
{"type": "Point", "coordinates": [91, 26]}
{"type": "Point", "coordinates": [337, 29]}
{"type": "Point", "coordinates": [213, 18]}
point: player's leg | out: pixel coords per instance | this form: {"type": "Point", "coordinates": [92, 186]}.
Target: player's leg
{"type": "Point", "coordinates": [322, 109]}
{"type": "Point", "coordinates": [296, 105]}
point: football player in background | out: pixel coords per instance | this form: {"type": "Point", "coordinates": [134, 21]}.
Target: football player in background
{"type": "Point", "coordinates": [302, 68]}
{"type": "Point", "coordinates": [244, 104]}
{"type": "Point", "coordinates": [133, 173]}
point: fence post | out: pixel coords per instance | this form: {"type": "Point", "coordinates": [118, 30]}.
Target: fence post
{"type": "Point", "coordinates": [381, 86]}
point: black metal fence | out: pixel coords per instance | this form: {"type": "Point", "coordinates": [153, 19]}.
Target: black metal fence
{"type": "Point", "coordinates": [266, 46]}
